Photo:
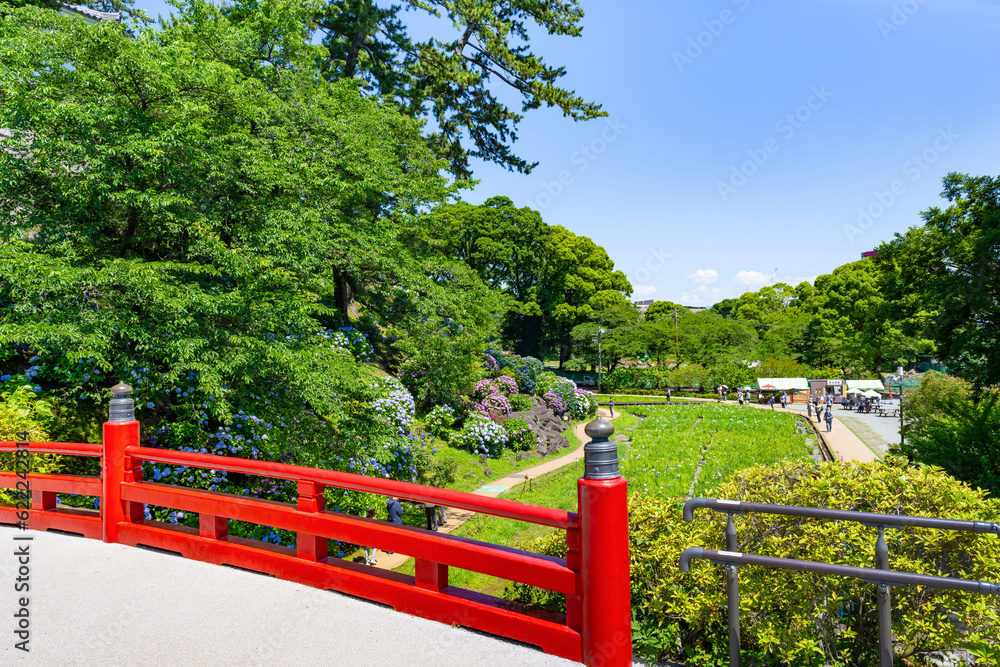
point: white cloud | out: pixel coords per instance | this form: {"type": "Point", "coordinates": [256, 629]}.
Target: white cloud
{"type": "Point", "coordinates": [756, 280]}
{"type": "Point", "coordinates": [642, 291]}
{"type": "Point", "coordinates": [704, 276]}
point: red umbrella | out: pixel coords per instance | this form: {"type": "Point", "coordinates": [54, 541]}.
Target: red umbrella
{"type": "Point", "coordinates": [768, 386]}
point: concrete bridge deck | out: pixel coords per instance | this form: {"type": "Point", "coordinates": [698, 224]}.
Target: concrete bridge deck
{"type": "Point", "coordinates": [92, 603]}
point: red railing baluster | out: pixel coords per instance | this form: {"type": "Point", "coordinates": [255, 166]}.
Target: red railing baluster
{"type": "Point", "coordinates": [430, 576]}
{"type": "Point", "coordinates": [311, 547]}
{"type": "Point", "coordinates": [43, 500]}
{"type": "Point", "coordinates": [213, 527]}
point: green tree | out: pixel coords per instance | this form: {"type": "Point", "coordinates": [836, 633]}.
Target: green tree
{"type": "Point", "coordinates": [946, 276]}
{"type": "Point", "coordinates": [460, 80]}
{"type": "Point", "coordinates": [580, 278]}
{"type": "Point", "coordinates": [853, 324]}
{"type": "Point", "coordinates": [949, 425]}
{"type": "Point", "coordinates": [506, 246]}
{"type": "Point", "coordinates": [621, 336]}
{"type": "Point", "coordinates": [708, 339]}
{"type": "Point", "coordinates": [193, 229]}
{"type": "Point", "coordinates": [660, 310]}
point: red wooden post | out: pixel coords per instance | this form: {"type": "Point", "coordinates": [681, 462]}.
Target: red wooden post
{"type": "Point", "coordinates": [606, 623]}
{"type": "Point", "coordinates": [120, 431]}
{"type": "Point", "coordinates": [429, 575]}
{"type": "Point", "coordinates": [214, 527]}
{"type": "Point", "coordinates": [43, 500]}
{"type": "Point", "coordinates": [311, 547]}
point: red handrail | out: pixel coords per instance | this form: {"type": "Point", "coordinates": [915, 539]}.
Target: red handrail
{"type": "Point", "coordinates": [593, 576]}
{"type": "Point", "coordinates": [66, 448]}
{"type": "Point", "coordinates": [508, 509]}
{"type": "Point", "coordinates": [43, 511]}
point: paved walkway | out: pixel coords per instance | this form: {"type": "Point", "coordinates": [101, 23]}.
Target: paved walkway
{"type": "Point", "coordinates": [92, 603]}
{"type": "Point", "coordinates": [493, 489]}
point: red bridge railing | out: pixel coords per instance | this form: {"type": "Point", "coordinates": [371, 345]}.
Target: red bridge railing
{"type": "Point", "coordinates": [594, 577]}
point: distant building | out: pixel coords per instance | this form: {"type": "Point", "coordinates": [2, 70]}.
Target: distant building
{"type": "Point", "coordinates": [644, 305]}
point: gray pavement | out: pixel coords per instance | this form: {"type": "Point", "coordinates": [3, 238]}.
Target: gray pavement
{"type": "Point", "coordinates": [92, 603]}
{"type": "Point", "coordinates": [876, 432]}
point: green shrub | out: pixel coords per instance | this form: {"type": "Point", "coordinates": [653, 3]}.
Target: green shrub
{"type": "Point", "coordinates": [19, 414]}
{"type": "Point", "coordinates": [440, 420]}
{"type": "Point", "coordinates": [948, 425]}
{"type": "Point", "coordinates": [520, 402]}
{"type": "Point", "coordinates": [798, 618]}
{"type": "Point", "coordinates": [520, 437]}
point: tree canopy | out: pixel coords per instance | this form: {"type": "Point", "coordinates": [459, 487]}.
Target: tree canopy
{"type": "Point", "coordinates": [946, 276]}
{"type": "Point", "coordinates": [189, 203]}
{"type": "Point", "coordinates": [460, 77]}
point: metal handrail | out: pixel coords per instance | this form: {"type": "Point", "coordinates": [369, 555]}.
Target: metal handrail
{"type": "Point", "coordinates": [881, 575]}
{"type": "Point", "coordinates": [864, 573]}
{"type": "Point", "coordinates": [867, 518]}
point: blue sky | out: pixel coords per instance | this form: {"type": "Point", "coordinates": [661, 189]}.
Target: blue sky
{"type": "Point", "coordinates": [746, 136]}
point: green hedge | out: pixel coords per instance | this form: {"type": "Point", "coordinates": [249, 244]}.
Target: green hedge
{"type": "Point", "coordinates": [801, 619]}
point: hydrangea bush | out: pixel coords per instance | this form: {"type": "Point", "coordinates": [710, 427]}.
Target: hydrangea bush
{"type": "Point", "coordinates": [526, 369]}
{"type": "Point", "coordinates": [494, 406]}
{"type": "Point", "coordinates": [576, 403]}
{"type": "Point", "coordinates": [520, 437]}
{"type": "Point", "coordinates": [395, 406]}
{"type": "Point", "coordinates": [555, 403]}
{"type": "Point", "coordinates": [350, 341]}
{"type": "Point", "coordinates": [481, 435]}
{"type": "Point", "coordinates": [506, 385]}
{"type": "Point", "coordinates": [440, 420]}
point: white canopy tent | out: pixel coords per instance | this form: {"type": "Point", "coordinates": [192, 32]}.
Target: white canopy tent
{"type": "Point", "coordinates": [866, 384]}
{"type": "Point", "coordinates": [782, 383]}
{"type": "Point", "coordinates": [871, 393]}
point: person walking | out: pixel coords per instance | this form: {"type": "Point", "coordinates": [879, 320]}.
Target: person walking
{"type": "Point", "coordinates": [829, 420]}
{"type": "Point", "coordinates": [784, 401]}
{"type": "Point", "coordinates": [395, 512]}
{"type": "Point", "coordinates": [370, 551]}
{"type": "Point", "coordinates": [668, 394]}
{"type": "Point", "coordinates": [770, 401]}
{"type": "Point", "coordinates": [809, 410]}
{"type": "Point", "coordinates": [819, 412]}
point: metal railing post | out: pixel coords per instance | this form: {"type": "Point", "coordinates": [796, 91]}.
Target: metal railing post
{"type": "Point", "coordinates": [733, 595]}
{"type": "Point", "coordinates": [884, 602]}
{"type": "Point", "coordinates": [606, 609]}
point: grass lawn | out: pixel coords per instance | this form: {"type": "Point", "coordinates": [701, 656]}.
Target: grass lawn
{"type": "Point", "coordinates": [470, 473]}
{"type": "Point", "coordinates": [665, 445]}
{"type": "Point", "coordinates": [556, 489]}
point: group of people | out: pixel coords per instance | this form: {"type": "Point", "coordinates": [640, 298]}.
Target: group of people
{"type": "Point", "coordinates": [434, 514]}
{"type": "Point", "coordinates": [819, 406]}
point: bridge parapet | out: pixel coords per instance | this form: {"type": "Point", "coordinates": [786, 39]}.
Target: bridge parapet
{"type": "Point", "coordinates": [594, 577]}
